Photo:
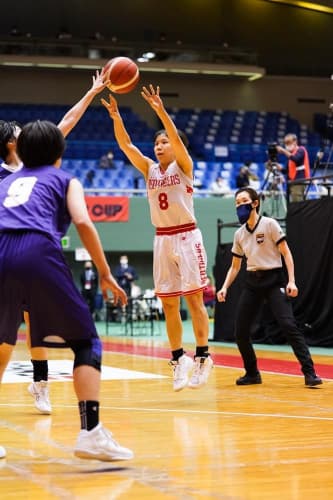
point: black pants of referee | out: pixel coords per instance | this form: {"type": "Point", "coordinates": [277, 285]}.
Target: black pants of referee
{"type": "Point", "coordinates": [269, 286]}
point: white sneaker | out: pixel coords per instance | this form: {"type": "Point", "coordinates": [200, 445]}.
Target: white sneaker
{"type": "Point", "coordinates": [2, 452]}
{"type": "Point", "coordinates": [40, 391]}
{"type": "Point", "coordinates": [98, 444]}
{"type": "Point", "coordinates": [181, 372]}
{"type": "Point", "coordinates": [201, 371]}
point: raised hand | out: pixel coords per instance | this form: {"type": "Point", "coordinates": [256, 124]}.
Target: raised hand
{"type": "Point", "coordinates": [152, 96]}
{"type": "Point", "coordinates": [111, 105]}
{"type": "Point", "coordinates": [100, 81]}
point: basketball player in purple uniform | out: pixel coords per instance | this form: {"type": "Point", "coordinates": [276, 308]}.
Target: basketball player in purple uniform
{"type": "Point", "coordinates": [179, 254]}
{"type": "Point", "coordinates": [9, 132]}
{"type": "Point", "coordinates": [37, 204]}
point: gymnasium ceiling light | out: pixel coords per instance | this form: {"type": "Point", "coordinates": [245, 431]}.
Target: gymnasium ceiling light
{"type": "Point", "coordinates": [323, 7]}
{"type": "Point", "coordinates": [249, 72]}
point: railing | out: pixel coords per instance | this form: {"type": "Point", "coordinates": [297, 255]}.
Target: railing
{"type": "Point", "coordinates": [108, 48]}
{"type": "Point", "coordinates": [140, 192]}
{"type": "Point", "coordinates": [139, 316]}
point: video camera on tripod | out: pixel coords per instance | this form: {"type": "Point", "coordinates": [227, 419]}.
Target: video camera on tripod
{"type": "Point", "coordinates": [272, 187]}
{"type": "Point", "coordinates": [274, 175]}
{"type": "Point", "coordinates": [272, 156]}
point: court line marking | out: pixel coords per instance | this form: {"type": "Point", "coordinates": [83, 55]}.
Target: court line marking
{"type": "Point", "coordinates": [196, 412]}
{"type": "Point", "coordinates": [225, 413]}
{"type": "Point", "coordinates": [220, 359]}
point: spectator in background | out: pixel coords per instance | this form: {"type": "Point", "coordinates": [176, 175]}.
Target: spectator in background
{"type": "Point", "coordinates": [242, 179]}
{"type": "Point", "coordinates": [274, 177]}
{"type": "Point", "coordinates": [89, 180]}
{"type": "Point", "coordinates": [253, 178]}
{"type": "Point", "coordinates": [298, 165]}
{"type": "Point", "coordinates": [106, 161]}
{"type": "Point", "coordinates": [220, 186]}
{"type": "Point", "coordinates": [125, 275]}
{"type": "Point", "coordinates": [89, 285]}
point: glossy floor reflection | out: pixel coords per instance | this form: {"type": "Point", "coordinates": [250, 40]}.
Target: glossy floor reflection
{"type": "Point", "coordinates": [221, 442]}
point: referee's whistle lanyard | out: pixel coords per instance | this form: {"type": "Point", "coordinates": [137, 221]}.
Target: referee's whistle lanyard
{"type": "Point", "coordinates": [244, 212]}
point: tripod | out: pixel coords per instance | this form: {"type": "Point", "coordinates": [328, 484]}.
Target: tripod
{"type": "Point", "coordinates": [324, 177]}
{"type": "Point", "coordinates": [318, 164]}
{"type": "Point", "coordinates": [272, 194]}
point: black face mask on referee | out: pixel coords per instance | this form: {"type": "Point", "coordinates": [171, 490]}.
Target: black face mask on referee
{"type": "Point", "coordinates": [244, 212]}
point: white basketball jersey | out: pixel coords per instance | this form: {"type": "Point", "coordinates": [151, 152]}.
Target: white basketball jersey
{"type": "Point", "coordinates": [170, 196]}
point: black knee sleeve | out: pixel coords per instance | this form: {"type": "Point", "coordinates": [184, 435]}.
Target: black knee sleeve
{"type": "Point", "coordinates": [87, 353]}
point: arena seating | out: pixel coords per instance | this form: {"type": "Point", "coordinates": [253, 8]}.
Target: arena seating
{"type": "Point", "coordinates": [220, 141]}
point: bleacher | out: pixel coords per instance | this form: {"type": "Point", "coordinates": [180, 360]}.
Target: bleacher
{"type": "Point", "coordinates": [220, 142]}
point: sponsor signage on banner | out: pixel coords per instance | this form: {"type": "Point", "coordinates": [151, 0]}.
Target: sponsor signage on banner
{"type": "Point", "coordinates": [108, 208]}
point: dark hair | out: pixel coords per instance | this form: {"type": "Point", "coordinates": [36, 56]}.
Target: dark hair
{"type": "Point", "coordinates": [181, 134]}
{"type": "Point", "coordinates": [40, 143]}
{"type": "Point", "coordinates": [252, 193]}
{"type": "Point", "coordinates": [7, 134]}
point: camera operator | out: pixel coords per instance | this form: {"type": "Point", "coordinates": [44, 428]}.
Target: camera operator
{"type": "Point", "coordinates": [298, 165]}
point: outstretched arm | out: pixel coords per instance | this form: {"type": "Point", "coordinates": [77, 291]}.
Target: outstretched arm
{"type": "Point", "coordinates": [72, 117]}
{"type": "Point", "coordinates": [90, 239]}
{"type": "Point", "coordinates": [152, 97]}
{"type": "Point", "coordinates": [140, 161]}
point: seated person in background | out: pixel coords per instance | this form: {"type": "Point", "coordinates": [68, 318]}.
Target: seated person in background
{"type": "Point", "coordinates": [242, 179]}
{"type": "Point", "coordinates": [106, 161]}
{"type": "Point", "coordinates": [253, 178]}
{"type": "Point", "coordinates": [209, 297]}
{"type": "Point", "coordinates": [136, 291]}
{"type": "Point", "coordinates": [274, 176]}
{"type": "Point", "coordinates": [220, 186]}
{"type": "Point", "coordinates": [323, 187]}
{"type": "Point", "coordinates": [89, 179]}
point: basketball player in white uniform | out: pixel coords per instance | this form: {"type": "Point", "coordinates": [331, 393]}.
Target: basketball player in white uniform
{"type": "Point", "coordinates": [262, 242]}
{"type": "Point", "coordinates": [179, 254]}
{"type": "Point", "coordinates": [9, 132]}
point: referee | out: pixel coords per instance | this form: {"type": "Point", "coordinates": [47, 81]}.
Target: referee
{"type": "Point", "coordinates": [262, 241]}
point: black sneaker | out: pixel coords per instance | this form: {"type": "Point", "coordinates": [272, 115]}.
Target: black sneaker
{"type": "Point", "coordinates": [312, 380]}
{"type": "Point", "coordinates": [249, 380]}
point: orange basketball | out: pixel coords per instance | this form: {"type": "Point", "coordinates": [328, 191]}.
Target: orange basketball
{"type": "Point", "coordinates": [123, 74]}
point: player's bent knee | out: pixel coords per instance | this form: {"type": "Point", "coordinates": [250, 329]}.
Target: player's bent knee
{"type": "Point", "coordinates": [88, 353]}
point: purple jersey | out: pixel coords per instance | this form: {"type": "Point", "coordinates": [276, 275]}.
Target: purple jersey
{"type": "Point", "coordinates": [5, 170]}
{"type": "Point", "coordinates": [34, 199]}
{"type": "Point", "coordinates": [34, 274]}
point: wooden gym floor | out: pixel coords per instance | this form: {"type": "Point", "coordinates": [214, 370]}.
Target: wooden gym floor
{"type": "Point", "coordinates": [263, 442]}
